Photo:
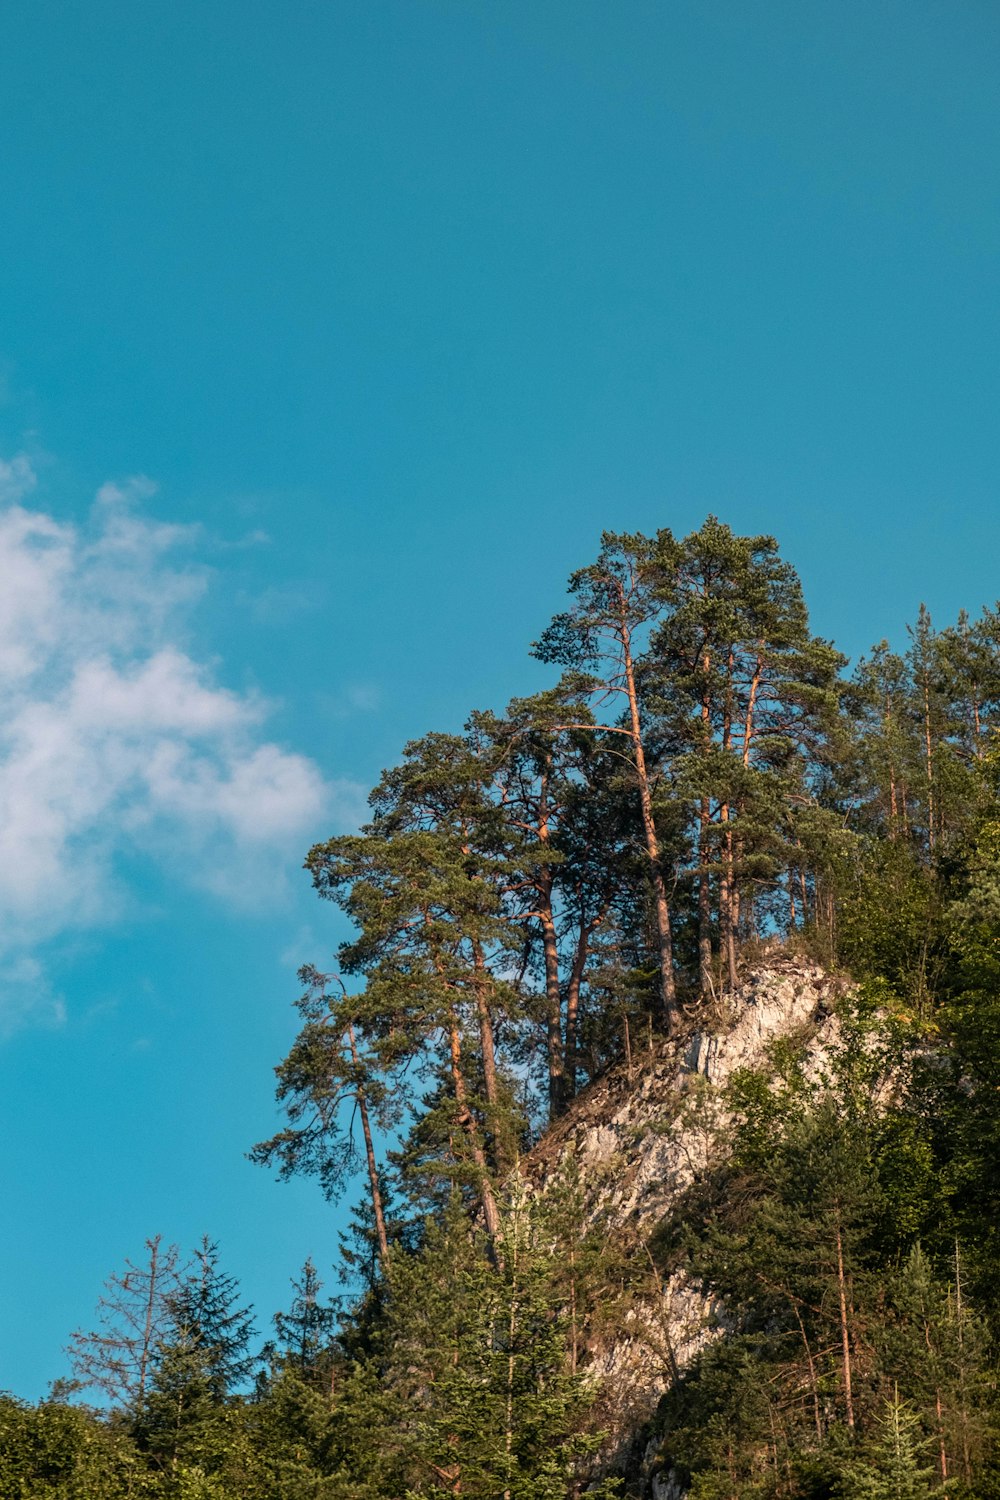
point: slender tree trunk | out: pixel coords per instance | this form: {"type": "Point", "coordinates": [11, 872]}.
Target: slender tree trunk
{"type": "Point", "coordinates": [550, 951]}
{"type": "Point", "coordinates": [585, 931]}
{"type": "Point", "coordinates": [704, 902]}
{"type": "Point", "coordinates": [668, 988]}
{"type": "Point", "coordinates": [373, 1183]}
{"type": "Point", "coordinates": [511, 1331]}
{"type": "Point", "coordinates": [727, 893]}
{"type": "Point", "coordinates": [887, 733]}
{"type": "Point", "coordinates": [727, 888]}
{"type": "Point", "coordinates": [977, 728]}
{"type": "Point", "coordinates": [929, 757]}
{"type": "Point", "coordinates": [556, 1054]}
{"type": "Point", "coordinates": [963, 1405]}
{"type": "Point", "coordinates": [942, 1450]}
{"type": "Point", "coordinates": [467, 1120]}
{"type": "Point", "coordinates": [704, 820]}
{"type": "Point", "coordinates": [813, 1385]}
{"type": "Point", "coordinates": [748, 722]}
{"type": "Point", "coordinates": [736, 894]}
{"type": "Point", "coordinates": [845, 1342]}
{"type": "Point", "coordinates": [748, 735]}
{"type": "Point", "coordinates": [149, 1316]}
{"type": "Point", "coordinates": [481, 985]}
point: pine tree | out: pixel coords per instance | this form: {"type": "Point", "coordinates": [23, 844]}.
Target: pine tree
{"type": "Point", "coordinates": [325, 1081]}
{"type": "Point", "coordinates": [424, 887]}
{"type": "Point", "coordinates": [566, 846]}
{"type": "Point", "coordinates": [746, 699]}
{"type": "Point", "coordinates": [616, 601]}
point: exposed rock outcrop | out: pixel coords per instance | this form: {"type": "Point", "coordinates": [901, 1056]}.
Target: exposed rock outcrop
{"type": "Point", "coordinates": [638, 1137]}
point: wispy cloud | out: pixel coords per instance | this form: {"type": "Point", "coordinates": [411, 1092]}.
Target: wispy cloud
{"type": "Point", "coordinates": [115, 741]}
{"type": "Point", "coordinates": [349, 701]}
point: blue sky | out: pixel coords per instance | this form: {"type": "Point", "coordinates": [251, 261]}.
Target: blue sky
{"type": "Point", "coordinates": [331, 336]}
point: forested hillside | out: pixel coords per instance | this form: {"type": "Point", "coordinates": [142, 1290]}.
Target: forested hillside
{"type": "Point", "coordinates": [551, 902]}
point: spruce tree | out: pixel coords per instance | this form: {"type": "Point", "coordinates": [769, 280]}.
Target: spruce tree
{"type": "Point", "coordinates": [893, 1467]}
{"type": "Point", "coordinates": [208, 1325]}
{"type": "Point", "coordinates": [304, 1335]}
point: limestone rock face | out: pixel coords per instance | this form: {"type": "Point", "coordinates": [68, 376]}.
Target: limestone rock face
{"type": "Point", "coordinates": [639, 1136]}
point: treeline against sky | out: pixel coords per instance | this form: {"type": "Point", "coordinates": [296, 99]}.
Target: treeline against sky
{"type": "Point", "coordinates": [580, 879]}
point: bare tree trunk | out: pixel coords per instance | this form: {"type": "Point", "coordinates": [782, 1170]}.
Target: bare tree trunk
{"type": "Point", "coordinates": [727, 895]}
{"type": "Point", "coordinates": [704, 903]}
{"type": "Point", "coordinates": [813, 1385]}
{"type": "Point", "coordinates": [928, 752]}
{"type": "Point", "coordinates": [960, 1318]}
{"type": "Point", "coordinates": [704, 820]}
{"type": "Point", "coordinates": [736, 894]}
{"type": "Point", "coordinates": [468, 1123]}
{"type": "Point", "coordinates": [373, 1183]}
{"type": "Point", "coordinates": [511, 1330]}
{"type": "Point", "coordinates": [149, 1319]}
{"type": "Point", "coordinates": [668, 988]}
{"type": "Point", "coordinates": [550, 950]}
{"type": "Point", "coordinates": [845, 1342]}
{"type": "Point", "coordinates": [748, 723]}
{"type": "Point", "coordinates": [727, 884]}
{"type": "Point", "coordinates": [556, 1054]}
{"type": "Point", "coordinates": [942, 1450]}
{"type": "Point", "coordinates": [887, 731]}
{"type": "Point", "coordinates": [481, 981]}
{"type": "Point", "coordinates": [584, 933]}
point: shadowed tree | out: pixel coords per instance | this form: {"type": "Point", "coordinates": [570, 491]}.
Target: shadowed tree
{"type": "Point", "coordinates": [564, 838]}
{"type": "Point", "coordinates": [599, 638]}
{"type": "Point", "coordinates": [326, 1083]}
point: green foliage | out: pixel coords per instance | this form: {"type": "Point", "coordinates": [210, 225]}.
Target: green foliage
{"type": "Point", "coordinates": [890, 1467]}
{"type": "Point", "coordinates": [59, 1452]}
{"type": "Point", "coordinates": [481, 1399]}
{"type": "Point", "coordinates": [857, 1363]}
{"type": "Point", "coordinates": [539, 897]}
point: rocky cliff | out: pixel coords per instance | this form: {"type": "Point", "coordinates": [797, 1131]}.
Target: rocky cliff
{"type": "Point", "coordinates": [635, 1140]}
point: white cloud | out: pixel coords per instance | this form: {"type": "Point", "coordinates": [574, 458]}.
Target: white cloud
{"type": "Point", "coordinates": [27, 996]}
{"type": "Point", "coordinates": [17, 477]}
{"type": "Point", "coordinates": [115, 740]}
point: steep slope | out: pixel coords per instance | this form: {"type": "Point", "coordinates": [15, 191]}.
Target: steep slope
{"type": "Point", "coordinates": [635, 1140]}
